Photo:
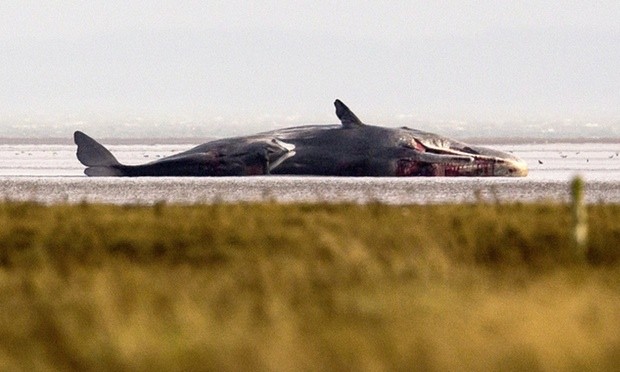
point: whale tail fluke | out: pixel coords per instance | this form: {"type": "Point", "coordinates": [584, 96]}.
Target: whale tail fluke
{"type": "Point", "coordinates": [96, 157]}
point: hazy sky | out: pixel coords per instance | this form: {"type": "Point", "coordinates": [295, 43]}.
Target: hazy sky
{"type": "Point", "coordinates": [232, 61]}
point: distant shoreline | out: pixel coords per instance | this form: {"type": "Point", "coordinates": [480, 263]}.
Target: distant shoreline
{"type": "Point", "coordinates": [199, 140]}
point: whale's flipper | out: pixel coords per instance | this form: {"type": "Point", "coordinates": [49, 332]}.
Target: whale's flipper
{"type": "Point", "coordinates": [288, 151]}
{"type": "Point", "coordinates": [98, 159]}
{"type": "Point", "coordinates": [346, 116]}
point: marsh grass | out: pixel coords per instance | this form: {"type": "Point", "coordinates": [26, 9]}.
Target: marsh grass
{"type": "Point", "coordinates": [307, 287]}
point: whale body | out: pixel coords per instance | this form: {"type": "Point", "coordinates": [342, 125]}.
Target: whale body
{"type": "Point", "coordinates": [351, 148]}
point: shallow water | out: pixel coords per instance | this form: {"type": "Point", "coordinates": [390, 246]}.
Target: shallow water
{"type": "Point", "coordinates": [51, 173]}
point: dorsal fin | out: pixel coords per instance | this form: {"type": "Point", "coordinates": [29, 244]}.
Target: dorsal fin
{"type": "Point", "coordinates": [346, 116]}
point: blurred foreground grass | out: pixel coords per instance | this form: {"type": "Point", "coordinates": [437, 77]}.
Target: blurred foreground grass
{"type": "Point", "coordinates": [307, 287]}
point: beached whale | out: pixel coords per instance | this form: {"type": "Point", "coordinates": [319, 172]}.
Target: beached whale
{"type": "Point", "coordinates": [351, 148]}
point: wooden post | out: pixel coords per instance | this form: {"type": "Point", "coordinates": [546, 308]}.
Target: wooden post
{"type": "Point", "coordinates": [580, 218]}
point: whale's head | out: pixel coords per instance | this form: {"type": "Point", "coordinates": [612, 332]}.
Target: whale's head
{"type": "Point", "coordinates": [418, 153]}
{"type": "Point", "coordinates": [498, 163]}
{"type": "Point", "coordinates": [440, 156]}
{"type": "Point", "coordinates": [486, 162]}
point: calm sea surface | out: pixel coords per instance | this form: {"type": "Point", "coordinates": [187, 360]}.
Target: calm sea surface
{"type": "Point", "coordinates": [51, 174]}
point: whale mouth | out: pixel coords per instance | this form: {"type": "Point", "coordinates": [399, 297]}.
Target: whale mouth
{"type": "Point", "coordinates": [482, 161]}
{"type": "Point", "coordinates": [477, 167]}
{"type": "Point", "coordinates": [481, 167]}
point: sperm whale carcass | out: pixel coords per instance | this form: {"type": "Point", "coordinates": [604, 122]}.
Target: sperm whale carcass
{"type": "Point", "coordinates": [351, 148]}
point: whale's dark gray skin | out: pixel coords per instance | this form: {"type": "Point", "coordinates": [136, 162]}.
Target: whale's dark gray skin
{"type": "Point", "coordinates": [351, 148]}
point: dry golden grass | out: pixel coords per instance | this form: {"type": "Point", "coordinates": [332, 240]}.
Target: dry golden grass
{"type": "Point", "coordinates": [307, 287]}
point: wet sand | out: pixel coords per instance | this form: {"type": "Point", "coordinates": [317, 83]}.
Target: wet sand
{"type": "Point", "coordinates": [296, 189]}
